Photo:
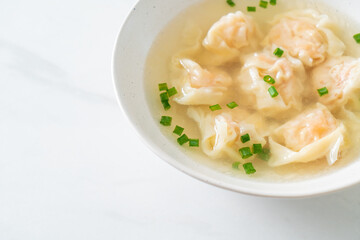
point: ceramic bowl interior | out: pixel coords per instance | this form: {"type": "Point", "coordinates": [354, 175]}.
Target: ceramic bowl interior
{"type": "Point", "coordinates": [147, 19]}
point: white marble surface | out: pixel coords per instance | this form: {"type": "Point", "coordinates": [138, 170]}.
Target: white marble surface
{"type": "Point", "coordinates": [71, 167]}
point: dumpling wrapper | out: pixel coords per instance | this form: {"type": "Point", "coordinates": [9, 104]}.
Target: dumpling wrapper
{"type": "Point", "coordinates": [220, 133]}
{"type": "Point", "coordinates": [289, 75]}
{"type": "Point", "coordinates": [327, 142]}
{"type": "Point", "coordinates": [341, 76]}
{"type": "Point", "coordinates": [307, 35]}
{"type": "Point", "coordinates": [281, 155]}
{"type": "Point", "coordinates": [200, 86]}
{"type": "Point", "coordinates": [233, 34]}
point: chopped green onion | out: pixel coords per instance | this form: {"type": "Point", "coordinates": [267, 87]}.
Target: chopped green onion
{"type": "Point", "coordinates": [273, 2]}
{"type": "Point", "coordinates": [357, 37]}
{"type": "Point", "coordinates": [323, 91]}
{"type": "Point", "coordinates": [257, 148]}
{"type": "Point", "coordinates": [251, 9]}
{"type": "Point", "coordinates": [245, 152]}
{"type": "Point", "coordinates": [264, 154]}
{"type": "Point", "coordinates": [249, 168]}
{"type": "Point", "coordinates": [163, 87]}
{"type": "Point", "coordinates": [232, 105]}
{"type": "Point", "coordinates": [164, 96]}
{"type": "Point", "coordinates": [273, 92]}
{"type": "Point", "coordinates": [215, 107]}
{"type": "Point", "coordinates": [166, 105]}
{"type": "Point", "coordinates": [245, 138]}
{"type": "Point", "coordinates": [235, 165]}
{"type": "Point", "coordinates": [263, 4]}
{"type": "Point", "coordinates": [166, 120]}
{"type": "Point", "coordinates": [178, 130]}
{"type": "Point", "coordinates": [193, 142]}
{"type": "Point", "coordinates": [183, 139]}
{"type": "Point", "coordinates": [172, 91]}
{"type": "Point", "coordinates": [231, 3]}
{"type": "Point", "coordinates": [269, 79]}
{"type": "Point", "coordinates": [278, 52]}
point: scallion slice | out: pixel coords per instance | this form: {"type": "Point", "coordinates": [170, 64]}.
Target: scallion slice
{"type": "Point", "coordinates": [236, 165]}
{"type": "Point", "coordinates": [278, 52]}
{"type": "Point", "coordinates": [166, 120]}
{"type": "Point", "coordinates": [269, 79]}
{"type": "Point", "coordinates": [357, 37]}
{"type": "Point", "coordinates": [273, 2]}
{"type": "Point", "coordinates": [215, 107]}
{"type": "Point", "coordinates": [251, 9]}
{"type": "Point", "coordinates": [264, 154]}
{"type": "Point", "coordinates": [245, 152]}
{"type": "Point", "coordinates": [232, 105]}
{"type": "Point", "coordinates": [193, 142]}
{"type": "Point", "coordinates": [257, 148]}
{"type": "Point", "coordinates": [178, 130]}
{"type": "Point", "coordinates": [273, 92]}
{"type": "Point", "coordinates": [230, 3]}
{"type": "Point", "coordinates": [245, 138]}
{"type": "Point", "coordinates": [263, 4]}
{"type": "Point", "coordinates": [249, 168]}
{"type": "Point", "coordinates": [166, 105]}
{"type": "Point", "coordinates": [323, 91]}
{"type": "Point", "coordinates": [164, 96]}
{"type": "Point", "coordinates": [172, 91]}
{"type": "Point", "coordinates": [163, 87]}
{"type": "Point", "coordinates": [183, 139]}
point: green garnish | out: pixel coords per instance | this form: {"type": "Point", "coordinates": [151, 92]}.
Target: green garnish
{"type": "Point", "coordinates": [245, 138]}
{"type": "Point", "coordinates": [172, 91]}
{"type": "Point", "coordinates": [193, 142]}
{"type": "Point", "coordinates": [251, 9]}
{"type": "Point", "coordinates": [232, 105]}
{"type": "Point", "coordinates": [269, 79]}
{"type": "Point", "coordinates": [166, 120]}
{"type": "Point", "coordinates": [357, 37]}
{"type": "Point", "coordinates": [215, 107]}
{"type": "Point", "coordinates": [163, 87]}
{"type": "Point", "coordinates": [164, 96]}
{"type": "Point", "coordinates": [230, 3]}
{"type": "Point", "coordinates": [245, 152]}
{"type": "Point", "coordinates": [249, 168]}
{"type": "Point", "coordinates": [273, 2]}
{"type": "Point", "coordinates": [323, 91]}
{"type": "Point", "coordinates": [166, 105]}
{"type": "Point", "coordinates": [278, 52]}
{"type": "Point", "coordinates": [257, 148]}
{"type": "Point", "coordinates": [264, 154]}
{"type": "Point", "coordinates": [236, 165]}
{"type": "Point", "coordinates": [263, 4]}
{"type": "Point", "coordinates": [183, 139]}
{"type": "Point", "coordinates": [273, 92]}
{"type": "Point", "coordinates": [178, 130]}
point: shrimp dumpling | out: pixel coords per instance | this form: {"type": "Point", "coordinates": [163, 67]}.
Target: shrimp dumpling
{"type": "Point", "coordinates": [341, 76]}
{"type": "Point", "coordinates": [307, 35]}
{"type": "Point", "coordinates": [289, 75]}
{"type": "Point", "coordinates": [220, 133]}
{"type": "Point", "coordinates": [232, 33]}
{"type": "Point", "coordinates": [311, 135]}
{"type": "Point", "coordinates": [200, 86]}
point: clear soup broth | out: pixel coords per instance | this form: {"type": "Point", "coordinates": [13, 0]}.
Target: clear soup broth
{"type": "Point", "coordinates": [309, 135]}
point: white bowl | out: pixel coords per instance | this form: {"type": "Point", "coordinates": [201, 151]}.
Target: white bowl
{"type": "Point", "coordinates": [138, 33]}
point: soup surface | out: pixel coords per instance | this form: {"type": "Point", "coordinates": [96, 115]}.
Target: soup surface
{"type": "Point", "coordinates": [273, 94]}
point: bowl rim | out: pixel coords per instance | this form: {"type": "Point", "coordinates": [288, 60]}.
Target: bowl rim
{"type": "Point", "coordinates": [194, 173]}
